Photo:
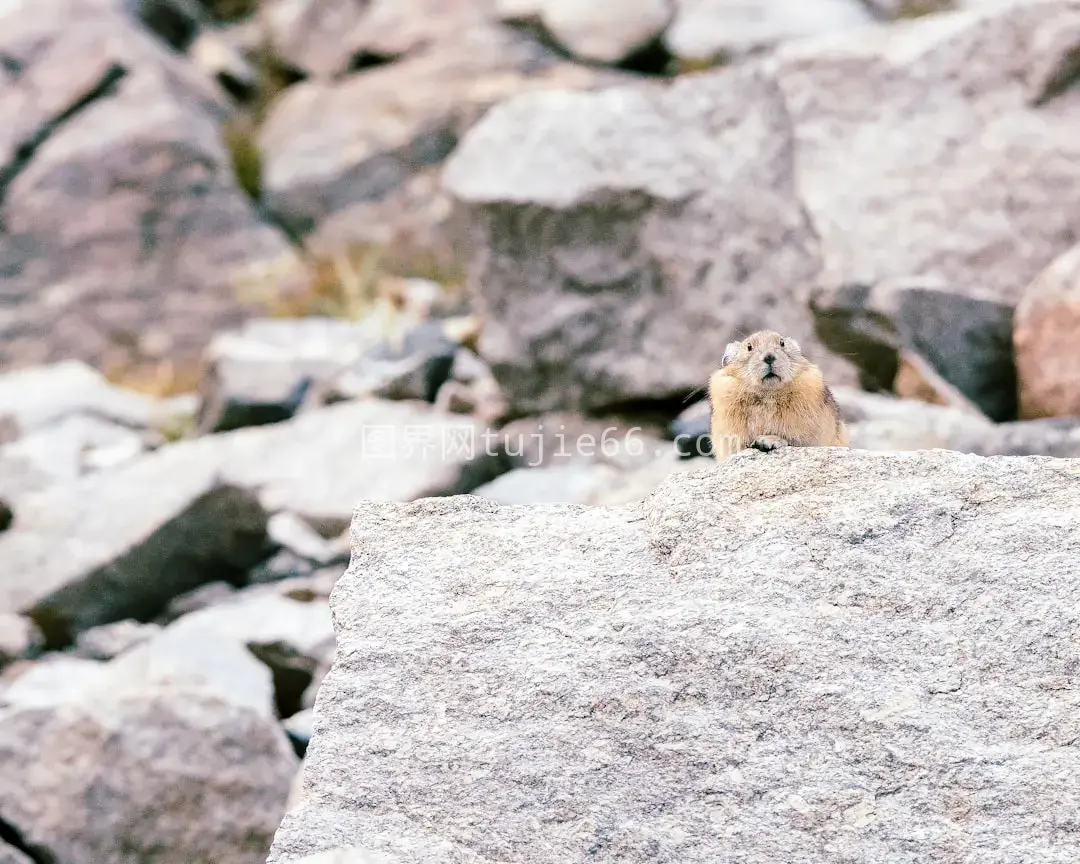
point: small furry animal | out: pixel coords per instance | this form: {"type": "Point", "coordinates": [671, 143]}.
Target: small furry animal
{"type": "Point", "coordinates": [766, 395]}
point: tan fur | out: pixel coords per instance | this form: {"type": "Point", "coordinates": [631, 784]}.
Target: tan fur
{"type": "Point", "coordinates": [794, 407]}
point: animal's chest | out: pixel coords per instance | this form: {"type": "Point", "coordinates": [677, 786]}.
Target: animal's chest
{"type": "Point", "coordinates": [764, 418]}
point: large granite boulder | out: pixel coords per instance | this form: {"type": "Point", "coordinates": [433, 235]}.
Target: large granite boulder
{"type": "Point", "coordinates": [623, 237]}
{"type": "Point", "coordinates": [942, 148]}
{"type": "Point", "coordinates": [812, 654]}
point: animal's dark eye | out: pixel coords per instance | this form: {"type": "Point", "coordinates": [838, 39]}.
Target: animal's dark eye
{"type": "Point", "coordinates": [781, 343]}
{"type": "Point", "coordinates": [749, 347]}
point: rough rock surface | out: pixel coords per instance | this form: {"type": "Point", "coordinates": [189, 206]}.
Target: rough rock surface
{"type": "Point", "coordinates": [751, 665]}
{"type": "Point", "coordinates": [940, 148]}
{"type": "Point", "coordinates": [624, 237]}
{"type": "Point", "coordinates": [101, 549]}
{"type": "Point", "coordinates": [344, 177]}
{"type": "Point", "coordinates": [1045, 339]}
{"type": "Point", "coordinates": [706, 31]}
{"type": "Point", "coordinates": [124, 226]}
{"type": "Point", "coordinates": [172, 774]}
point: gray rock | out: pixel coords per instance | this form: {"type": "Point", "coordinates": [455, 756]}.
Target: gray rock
{"type": "Point", "coordinates": [169, 774]}
{"type": "Point", "coordinates": [966, 338]}
{"type": "Point", "coordinates": [1057, 436]}
{"type": "Point", "coordinates": [122, 544]}
{"type": "Point", "coordinates": [291, 638]}
{"type": "Point", "coordinates": [11, 855]}
{"type": "Point", "coordinates": [755, 646]}
{"type": "Point", "coordinates": [352, 855]}
{"type": "Point", "coordinates": [39, 397]}
{"type": "Point", "coordinates": [642, 482]}
{"type": "Point", "coordinates": [709, 31]}
{"type": "Point", "coordinates": [219, 57]}
{"type": "Point", "coordinates": [19, 638]}
{"type": "Point", "coordinates": [370, 178]}
{"type": "Point", "coordinates": [322, 462]}
{"type": "Point", "coordinates": [202, 597]}
{"type": "Point", "coordinates": [557, 484]}
{"type": "Point", "coordinates": [259, 372]}
{"type": "Point", "coordinates": [111, 640]}
{"type": "Point", "coordinates": [270, 369]}
{"type": "Point", "coordinates": [618, 252]}
{"type": "Point", "coordinates": [920, 153]}
{"type": "Point", "coordinates": [109, 124]}
{"type": "Point", "coordinates": [65, 450]}
{"type": "Point", "coordinates": [690, 430]}
{"type": "Point", "coordinates": [52, 681]}
{"type": "Point", "coordinates": [299, 729]}
{"type": "Point", "coordinates": [193, 655]}
{"type": "Point", "coordinates": [294, 535]}
{"type": "Point", "coordinates": [605, 31]}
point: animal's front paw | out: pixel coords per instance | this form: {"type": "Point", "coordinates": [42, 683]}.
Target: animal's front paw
{"type": "Point", "coordinates": [768, 442]}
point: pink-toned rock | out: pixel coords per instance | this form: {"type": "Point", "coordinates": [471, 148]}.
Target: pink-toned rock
{"type": "Point", "coordinates": [124, 227]}
{"type": "Point", "coordinates": [1046, 334]}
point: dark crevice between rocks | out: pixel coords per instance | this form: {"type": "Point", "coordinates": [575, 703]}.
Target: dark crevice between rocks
{"type": "Point", "coordinates": [7, 516]}
{"type": "Point", "coordinates": [364, 60]}
{"type": "Point", "coordinates": [12, 836]}
{"type": "Point", "coordinates": [1063, 77]}
{"type": "Point", "coordinates": [292, 673]}
{"type": "Point", "coordinates": [651, 59]}
{"type": "Point", "coordinates": [658, 412]}
{"type": "Point", "coordinates": [104, 87]}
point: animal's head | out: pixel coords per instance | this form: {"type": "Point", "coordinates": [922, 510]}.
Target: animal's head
{"type": "Point", "coordinates": [764, 360]}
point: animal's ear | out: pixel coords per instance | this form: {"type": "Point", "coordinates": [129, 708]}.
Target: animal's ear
{"type": "Point", "coordinates": [730, 353]}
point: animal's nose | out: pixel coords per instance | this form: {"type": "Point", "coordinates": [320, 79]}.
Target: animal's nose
{"type": "Point", "coordinates": [769, 358]}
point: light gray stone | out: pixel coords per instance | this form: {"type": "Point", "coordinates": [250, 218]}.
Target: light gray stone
{"type": "Point", "coordinates": [567, 438]}
{"type": "Point", "coordinates": [65, 450]}
{"type": "Point", "coordinates": [1056, 436]}
{"type": "Point", "coordinates": [707, 31]}
{"type": "Point", "coordinates": [605, 31]}
{"type": "Point", "coordinates": [642, 482]}
{"type": "Point", "coordinates": [558, 484]}
{"type": "Point", "coordinates": [963, 337]}
{"type": "Point", "coordinates": [187, 656]}
{"type": "Point", "coordinates": [53, 680]}
{"type": "Point", "coordinates": [19, 638]}
{"type": "Point", "coordinates": [111, 640]}
{"type": "Point", "coordinates": [813, 654]}
{"type": "Point", "coordinates": [11, 855]}
{"type": "Point", "coordinates": [624, 237]}
{"type": "Point", "coordinates": [40, 396]}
